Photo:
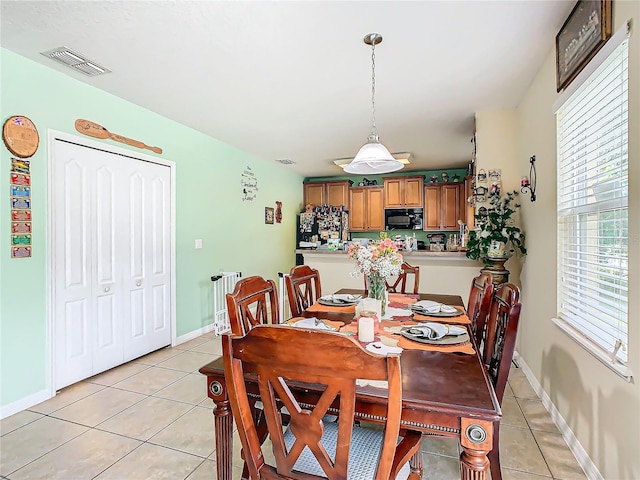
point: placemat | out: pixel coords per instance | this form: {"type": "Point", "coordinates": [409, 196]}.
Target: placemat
{"type": "Point", "coordinates": [408, 344]}
{"type": "Point", "coordinates": [316, 307]}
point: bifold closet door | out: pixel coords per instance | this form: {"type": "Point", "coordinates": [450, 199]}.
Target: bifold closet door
{"type": "Point", "coordinates": [111, 260]}
{"type": "Point", "coordinates": [147, 274]}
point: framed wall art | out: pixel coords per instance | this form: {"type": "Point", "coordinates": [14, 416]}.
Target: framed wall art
{"type": "Point", "coordinates": [268, 215]}
{"type": "Point", "coordinates": [585, 31]}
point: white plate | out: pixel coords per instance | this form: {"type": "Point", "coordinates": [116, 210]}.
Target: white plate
{"type": "Point", "coordinates": [382, 349]}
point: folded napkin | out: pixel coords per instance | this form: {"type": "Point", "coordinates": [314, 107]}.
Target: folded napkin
{"type": "Point", "coordinates": [312, 323]}
{"type": "Point", "coordinates": [432, 332]}
{"type": "Point", "coordinates": [341, 298]}
{"type": "Point", "coordinates": [428, 306]}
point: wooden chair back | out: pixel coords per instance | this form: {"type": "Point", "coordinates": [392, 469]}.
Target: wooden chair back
{"type": "Point", "coordinates": [303, 288]}
{"type": "Point", "coordinates": [499, 344]}
{"type": "Point", "coordinates": [479, 304]}
{"type": "Point", "coordinates": [282, 357]}
{"type": "Point", "coordinates": [500, 338]}
{"type": "Point", "coordinates": [400, 284]}
{"type": "Point", "coordinates": [254, 301]}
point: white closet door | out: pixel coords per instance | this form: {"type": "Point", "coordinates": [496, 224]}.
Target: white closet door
{"type": "Point", "coordinates": [147, 277]}
{"type": "Point", "coordinates": [111, 260]}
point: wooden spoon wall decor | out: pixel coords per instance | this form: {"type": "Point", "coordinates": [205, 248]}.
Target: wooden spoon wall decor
{"type": "Point", "coordinates": [96, 130]}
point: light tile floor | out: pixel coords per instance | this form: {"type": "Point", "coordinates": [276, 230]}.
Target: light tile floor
{"type": "Point", "coordinates": [151, 419]}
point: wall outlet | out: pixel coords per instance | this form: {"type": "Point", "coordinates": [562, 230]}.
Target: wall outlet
{"type": "Point", "coordinates": [198, 243]}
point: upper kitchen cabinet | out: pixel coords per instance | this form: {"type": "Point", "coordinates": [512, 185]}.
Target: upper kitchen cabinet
{"type": "Point", "coordinates": [403, 192]}
{"type": "Point", "coordinates": [470, 209]}
{"type": "Point", "coordinates": [443, 206]}
{"type": "Point", "coordinates": [367, 209]}
{"type": "Point", "coordinates": [335, 192]}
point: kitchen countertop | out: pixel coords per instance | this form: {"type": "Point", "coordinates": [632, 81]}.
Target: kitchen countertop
{"type": "Point", "coordinates": [419, 253]}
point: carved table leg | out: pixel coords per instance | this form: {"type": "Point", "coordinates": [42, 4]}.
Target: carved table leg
{"type": "Point", "coordinates": [416, 464]}
{"type": "Point", "coordinates": [476, 441]}
{"type": "Point", "coordinates": [223, 427]}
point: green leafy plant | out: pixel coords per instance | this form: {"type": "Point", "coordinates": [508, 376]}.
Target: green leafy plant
{"type": "Point", "coordinates": [497, 225]}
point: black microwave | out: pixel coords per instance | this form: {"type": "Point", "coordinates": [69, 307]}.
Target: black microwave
{"type": "Point", "coordinates": [403, 219]}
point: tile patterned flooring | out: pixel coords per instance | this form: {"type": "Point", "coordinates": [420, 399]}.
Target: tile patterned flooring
{"type": "Point", "coordinates": [151, 419]}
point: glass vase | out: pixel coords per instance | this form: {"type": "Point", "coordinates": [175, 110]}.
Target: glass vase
{"type": "Point", "coordinates": [378, 290]}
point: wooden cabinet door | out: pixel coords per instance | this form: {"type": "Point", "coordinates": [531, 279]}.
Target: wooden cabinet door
{"type": "Point", "coordinates": [413, 192]}
{"type": "Point", "coordinates": [470, 210]}
{"type": "Point", "coordinates": [393, 192]}
{"type": "Point", "coordinates": [338, 193]}
{"type": "Point", "coordinates": [375, 209]}
{"type": "Point", "coordinates": [314, 193]}
{"type": "Point", "coordinates": [357, 217]}
{"type": "Point", "coordinates": [432, 207]}
{"type": "Point", "coordinates": [450, 206]}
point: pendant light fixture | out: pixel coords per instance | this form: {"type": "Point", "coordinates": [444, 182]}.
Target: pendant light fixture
{"type": "Point", "coordinates": [373, 157]}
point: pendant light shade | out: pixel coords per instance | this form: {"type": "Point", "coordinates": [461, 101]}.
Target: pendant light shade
{"type": "Point", "coordinates": [373, 157]}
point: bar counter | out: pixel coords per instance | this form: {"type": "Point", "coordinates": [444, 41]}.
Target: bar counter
{"type": "Point", "coordinates": [440, 272]}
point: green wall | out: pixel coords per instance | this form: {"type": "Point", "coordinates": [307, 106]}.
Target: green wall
{"type": "Point", "coordinates": [209, 206]}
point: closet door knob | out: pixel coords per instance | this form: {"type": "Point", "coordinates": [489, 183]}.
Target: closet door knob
{"type": "Point", "coordinates": [138, 283]}
{"type": "Point", "coordinates": [107, 289]}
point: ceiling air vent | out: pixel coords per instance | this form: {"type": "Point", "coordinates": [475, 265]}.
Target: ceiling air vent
{"type": "Point", "coordinates": [76, 61]}
{"type": "Point", "coordinates": [286, 161]}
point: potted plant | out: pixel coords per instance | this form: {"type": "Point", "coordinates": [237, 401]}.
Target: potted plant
{"type": "Point", "coordinates": [496, 236]}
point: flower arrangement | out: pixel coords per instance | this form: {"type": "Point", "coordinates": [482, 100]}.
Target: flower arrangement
{"type": "Point", "coordinates": [496, 227]}
{"type": "Point", "coordinates": [378, 258]}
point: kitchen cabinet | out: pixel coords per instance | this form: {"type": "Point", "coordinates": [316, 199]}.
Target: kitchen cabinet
{"type": "Point", "coordinates": [469, 209]}
{"type": "Point", "coordinates": [403, 192]}
{"type": "Point", "coordinates": [443, 206]}
{"type": "Point", "coordinates": [335, 192]}
{"type": "Point", "coordinates": [367, 209]}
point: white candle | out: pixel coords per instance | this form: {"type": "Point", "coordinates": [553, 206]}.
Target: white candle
{"type": "Point", "coordinates": [366, 329]}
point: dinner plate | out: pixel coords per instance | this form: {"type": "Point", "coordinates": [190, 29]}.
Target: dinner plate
{"type": "Point", "coordinates": [457, 313]}
{"type": "Point", "coordinates": [330, 303]}
{"type": "Point", "coordinates": [446, 340]}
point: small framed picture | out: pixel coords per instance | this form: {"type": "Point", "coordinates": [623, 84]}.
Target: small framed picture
{"type": "Point", "coordinates": [268, 215]}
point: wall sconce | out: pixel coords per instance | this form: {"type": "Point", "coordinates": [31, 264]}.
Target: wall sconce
{"type": "Point", "coordinates": [530, 185]}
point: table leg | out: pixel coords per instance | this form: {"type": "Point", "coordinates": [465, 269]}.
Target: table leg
{"type": "Point", "coordinates": [476, 441]}
{"type": "Point", "coordinates": [416, 464]}
{"type": "Point", "coordinates": [223, 427]}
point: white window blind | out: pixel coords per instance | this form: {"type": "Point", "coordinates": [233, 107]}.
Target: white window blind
{"type": "Point", "coordinates": [592, 206]}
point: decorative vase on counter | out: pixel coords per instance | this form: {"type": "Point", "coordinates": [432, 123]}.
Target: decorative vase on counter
{"type": "Point", "coordinates": [378, 290]}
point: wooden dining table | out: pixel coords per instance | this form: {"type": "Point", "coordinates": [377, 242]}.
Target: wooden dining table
{"type": "Point", "coordinates": [443, 393]}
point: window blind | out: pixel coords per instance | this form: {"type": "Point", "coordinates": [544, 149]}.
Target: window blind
{"type": "Point", "coordinates": [592, 140]}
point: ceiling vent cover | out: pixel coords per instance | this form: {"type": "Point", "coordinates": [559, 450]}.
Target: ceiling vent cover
{"type": "Point", "coordinates": [286, 161]}
{"type": "Point", "coordinates": [76, 61]}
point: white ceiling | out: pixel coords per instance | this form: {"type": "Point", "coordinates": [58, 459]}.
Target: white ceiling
{"type": "Point", "coordinates": [293, 79]}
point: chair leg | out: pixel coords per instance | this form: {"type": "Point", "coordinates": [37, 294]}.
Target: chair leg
{"type": "Point", "coordinates": [494, 454]}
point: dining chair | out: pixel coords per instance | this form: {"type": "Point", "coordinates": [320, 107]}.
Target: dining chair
{"type": "Point", "coordinates": [282, 357]}
{"type": "Point", "coordinates": [479, 304]}
{"type": "Point", "coordinates": [400, 284]}
{"type": "Point", "coordinates": [303, 288]}
{"type": "Point", "coordinates": [499, 344]}
{"type": "Point", "coordinates": [253, 301]}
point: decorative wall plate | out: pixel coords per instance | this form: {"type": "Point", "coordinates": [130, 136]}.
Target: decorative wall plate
{"type": "Point", "coordinates": [20, 136]}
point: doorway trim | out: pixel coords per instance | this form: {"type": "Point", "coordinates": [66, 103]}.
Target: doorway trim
{"type": "Point", "coordinates": [54, 135]}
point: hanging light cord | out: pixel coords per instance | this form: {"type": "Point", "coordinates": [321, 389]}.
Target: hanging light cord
{"type": "Point", "coordinates": [374, 130]}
